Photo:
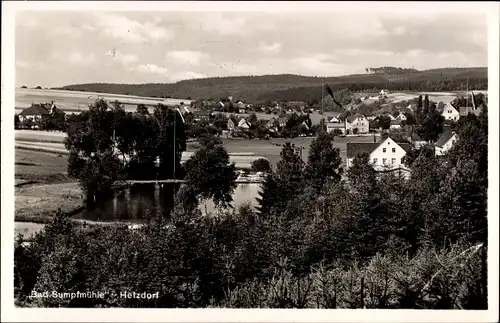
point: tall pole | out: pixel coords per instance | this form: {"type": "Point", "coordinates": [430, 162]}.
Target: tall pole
{"type": "Point", "coordinates": [175, 144]}
{"type": "Point", "coordinates": [467, 94]}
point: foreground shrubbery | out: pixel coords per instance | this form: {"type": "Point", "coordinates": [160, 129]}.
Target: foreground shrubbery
{"type": "Point", "coordinates": [320, 239]}
{"type": "Point", "coordinates": [237, 261]}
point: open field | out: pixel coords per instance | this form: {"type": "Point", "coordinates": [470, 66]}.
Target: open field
{"type": "Point", "coordinates": [38, 203]}
{"type": "Point", "coordinates": [74, 101]}
{"type": "Point", "coordinates": [445, 97]}
{"type": "Point", "coordinates": [242, 151]}
{"type": "Point", "coordinates": [40, 166]}
{"type": "Point", "coordinates": [27, 229]}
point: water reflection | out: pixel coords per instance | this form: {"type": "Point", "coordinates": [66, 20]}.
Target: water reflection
{"type": "Point", "coordinates": [137, 202]}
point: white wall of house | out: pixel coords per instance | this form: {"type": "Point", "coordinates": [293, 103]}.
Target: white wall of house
{"type": "Point", "coordinates": [447, 146]}
{"type": "Point", "coordinates": [401, 117]}
{"type": "Point", "coordinates": [362, 124]}
{"type": "Point", "coordinates": [395, 126]}
{"type": "Point", "coordinates": [387, 155]}
{"type": "Point", "coordinates": [450, 113]}
{"type": "Point", "coordinates": [29, 117]}
{"type": "Point", "coordinates": [243, 124]}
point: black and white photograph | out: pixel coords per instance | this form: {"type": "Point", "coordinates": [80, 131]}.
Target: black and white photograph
{"type": "Point", "coordinates": [237, 156]}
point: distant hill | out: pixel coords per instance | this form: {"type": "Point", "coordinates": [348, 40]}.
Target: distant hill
{"type": "Point", "coordinates": [297, 87]}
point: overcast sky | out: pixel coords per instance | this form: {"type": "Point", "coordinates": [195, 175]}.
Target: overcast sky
{"type": "Point", "coordinates": [61, 48]}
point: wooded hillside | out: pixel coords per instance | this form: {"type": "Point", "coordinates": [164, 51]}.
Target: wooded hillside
{"type": "Point", "coordinates": [297, 87]}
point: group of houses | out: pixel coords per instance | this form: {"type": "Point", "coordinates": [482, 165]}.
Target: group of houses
{"type": "Point", "coordinates": [273, 125]}
{"type": "Point", "coordinates": [388, 155]}
{"type": "Point", "coordinates": [38, 112]}
{"type": "Point", "coordinates": [357, 124]}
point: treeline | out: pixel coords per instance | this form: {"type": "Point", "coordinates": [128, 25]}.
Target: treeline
{"type": "Point", "coordinates": [106, 144]}
{"type": "Point", "coordinates": [389, 70]}
{"type": "Point", "coordinates": [295, 87]}
{"type": "Point", "coordinates": [316, 241]}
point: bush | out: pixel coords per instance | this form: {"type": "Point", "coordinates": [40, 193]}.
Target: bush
{"type": "Point", "coordinates": [261, 165]}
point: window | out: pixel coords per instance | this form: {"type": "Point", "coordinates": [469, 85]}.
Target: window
{"type": "Point", "coordinates": [393, 161]}
{"type": "Point", "coordinates": [375, 160]}
{"type": "Point", "coordinates": [383, 150]}
{"type": "Point", "coordinates": [393, 150]}
{"type": "Point", "coordinates": [384, 161]}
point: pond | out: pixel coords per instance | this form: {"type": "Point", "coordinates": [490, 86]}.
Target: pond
{"type": "Point", "coordinates": [134, 203]}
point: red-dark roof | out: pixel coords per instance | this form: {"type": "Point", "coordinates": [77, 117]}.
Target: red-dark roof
{"type": "Point", "coordinates": [335, 125]}
{"type": "Point", "coordinates": [464, 111]}
{"type": "Point", "coordinates": [35, 110]}
{"type": "Point", "coordinates": [201, 113]}
{"type": "Point", "coordinates": [356, 148]}
{"type": "Point", "coordinates": [406, 146]}
{"type": "Point", "coordinates": [444, 138]}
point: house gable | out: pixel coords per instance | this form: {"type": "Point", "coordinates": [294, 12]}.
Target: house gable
{"type": "Point", "coordinates": [450, 113]}
{"type": "Point", "coordinates": [243, 124]}
{"type": "Point", "coordinates": [389, 154]}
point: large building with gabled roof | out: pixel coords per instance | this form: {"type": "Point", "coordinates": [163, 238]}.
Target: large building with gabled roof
{"type": "Point", "coordinates": [385, 155]}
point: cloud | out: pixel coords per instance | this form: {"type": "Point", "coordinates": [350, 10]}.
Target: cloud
{"type": "Point", "coordinates": [186, 56]}
{"type": "Point", "coordinates": [151, 68]}
{"type": "Point", "coordinates": [273, 48]}
{"type": "Point", "coordinates": [128, 30]}
{"type": "Point", "coordinates": [124, 59]}
{"type": "Point", "coordinates": [318, 63]}
{"type": "Point", "coordinates": [81, 59]}
{"type": "Point", "coordinates": [218, 23]}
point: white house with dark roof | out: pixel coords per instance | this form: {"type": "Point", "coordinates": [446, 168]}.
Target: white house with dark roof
{"type": "Point", "coordinates": [401, 116]}
{"type": "Point", "coordinates": [358, 121]}
{"type": "Point", "coordinates": [450, 112]}
{"type": "Point", "coordinates": [395, 124]}
{"type": "Point", "coordinates": [385, 155]}
{"type": "Point", "coordinates": [243, 124]}
{"type": "Point", "coordinates": [335, 118]}
{"type": "Point", "coordinates": [445, 142]}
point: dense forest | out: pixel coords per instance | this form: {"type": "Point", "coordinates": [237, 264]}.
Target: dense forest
{"type": "Point", "coordinates": [296, 87]}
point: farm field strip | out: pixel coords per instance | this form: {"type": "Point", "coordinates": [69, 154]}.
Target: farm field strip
{"type": "Point", "coordinates": [79, 100]}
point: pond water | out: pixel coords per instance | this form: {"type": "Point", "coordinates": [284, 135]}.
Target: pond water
{"type": "Point", "coordinates": [134, 203]}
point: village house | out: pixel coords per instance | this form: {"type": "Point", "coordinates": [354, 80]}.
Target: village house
{"type": "Point", "coordinates": [282, 121]}
{"type": "Point", "coordinates": [232, 123]}
{"type": "Point", "coordinates": [445, 142]}
{"type": "Point", "coordinates": [417, 141]}
{"type": "Point", "coordinates": [241, 107]}
{"type": "Point", "coordinates": [201, 116]}
{"type": "Point", "coordinates": [464, 111]}
{"type": "Point", "coordinates": [383, 94]}
{"type": "Point", "coordinates": [450, 113]}
{"type": "Point", "coordinates": [359, 122]}
{"type": "Point", "coordinates": [243, 124]}
{"type": "Point", "coordinates": [385, 155]}
{"type": "Point", "coordinates": [37, 112]}
{"type": "Point", "coordinates": [272, 125]}
{"type": "Point", "coordinates": [389, 115]}
{"type": "Point", "coordinates": [331, 126]}
{"type": "Point", "coordinates": [395, 124]}
{"type": "Point", "coordinates": [304, 125]}
{"type": "Point", "coordinates": [335, 118]}
{"type": "Point", "coordinates": [401, 116]}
